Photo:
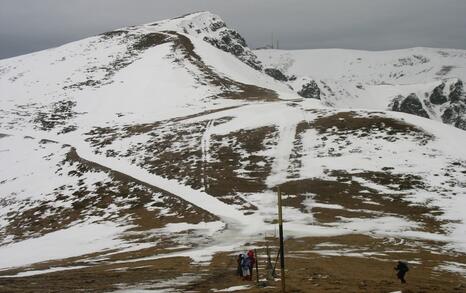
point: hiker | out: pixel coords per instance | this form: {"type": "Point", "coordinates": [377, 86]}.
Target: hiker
{"type": "Point", "coordinates": [402, 269]}
{"type": "Point", "coordinates": [239, 260]}
{"type": "Point", "coordinates": [245, 267]}
{"type": "Point", "coordinates": [253, 262]}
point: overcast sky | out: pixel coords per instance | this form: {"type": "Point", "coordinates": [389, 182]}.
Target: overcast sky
{"type": "Point", "coordinates": [31, 25]}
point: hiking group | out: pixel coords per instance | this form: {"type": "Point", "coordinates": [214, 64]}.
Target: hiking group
{"type": "Point", "coordinates": [246, 263]}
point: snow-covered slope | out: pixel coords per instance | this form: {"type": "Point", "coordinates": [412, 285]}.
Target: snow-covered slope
{"type": "Point", "coordinates": [129, 73]}
{"type": "Point", "coordinates": [433, 78]}
{"type": "Point", "coordinates": [161, 141]}
{"type": "Point", "coordinates": [53, 102]}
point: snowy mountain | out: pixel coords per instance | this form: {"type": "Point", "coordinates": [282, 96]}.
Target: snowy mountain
{"type": "Point", "coordinates": [426, 82]}
{"type": "Point", "coordinates": [148, 156]}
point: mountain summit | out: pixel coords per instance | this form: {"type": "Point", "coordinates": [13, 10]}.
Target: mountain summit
{"type": "Point", "coordinates": [212, 29]}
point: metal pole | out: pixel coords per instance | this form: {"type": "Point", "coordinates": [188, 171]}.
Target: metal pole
{"type": "Point", "coordinates": [282, 246]}
{"type": "Point", "coordinates": [270, 269]}
{"type": "Point", "coordinates": [275, 264]}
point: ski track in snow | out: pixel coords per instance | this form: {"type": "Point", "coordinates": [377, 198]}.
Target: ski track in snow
{"type": "Point", "coordinates": [282, 156]}
{"type": "Point", "coordinates": [205, 146]}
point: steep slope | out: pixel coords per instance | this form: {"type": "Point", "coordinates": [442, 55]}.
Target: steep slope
{"type": "Point", "coordinates": [428, 82]}
{"type": "Point", "coordinates": [128, 72]}
{"type": "Point", "coordinates": [142, 158]}
{"type": "Point", "coordinates": [212, 29]}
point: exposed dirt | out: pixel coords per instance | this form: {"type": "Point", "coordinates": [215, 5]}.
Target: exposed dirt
{"type": "Point", "coordinates": [357, 201]}
{"type": "Point", "coordinates": [151, 40]}
{"type": "Point", "coordinates": [238, 150]}
{"type": "Point", "coordinates": [103, 278]}
{"type": "Point", "coordinates": [310, 267]}
{"type": "Point", "coordinates": [350, 122]}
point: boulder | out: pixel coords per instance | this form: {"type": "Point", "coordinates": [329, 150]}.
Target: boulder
{"type": "Point", "coordinates": [310, 90]}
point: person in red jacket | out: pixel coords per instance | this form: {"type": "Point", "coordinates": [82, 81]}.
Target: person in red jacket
{"type": "Point", "coordinates": [252, 263]}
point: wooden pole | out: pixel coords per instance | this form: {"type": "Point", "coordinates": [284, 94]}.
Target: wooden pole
{"type": "Point", "coordinates": [282, 245]}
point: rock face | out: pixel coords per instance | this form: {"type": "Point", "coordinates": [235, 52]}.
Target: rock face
{"type": "Point", "coordinates": [456, 91]}
{"type": "Point", "coordinates": [310, 90]}
{"type": "Point", "coordinates": [455, 115]}
{"type": "Point", "coordinates": [276, 73]}
{"type": "Point", "coordinates": [411, 105]}
{"type": "Point", "coordinates": [232, 42]}
{"type": "Point", "coordinates": [212, 29]}
{"type": "Point", "coordinates": [448, 99]}
{"type": "Point", "coordinates": [437, 97]}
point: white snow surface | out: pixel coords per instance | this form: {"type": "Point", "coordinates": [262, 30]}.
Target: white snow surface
{"type": "Point", "coordinates": [75, 241]}
{"type": "Point", "coordinates": [368, 79]}
{"type": "Point", "coordinates": [233, 288]}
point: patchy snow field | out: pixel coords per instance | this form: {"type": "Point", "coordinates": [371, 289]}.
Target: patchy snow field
{"type": "Point", "coordinates": [149, 151]}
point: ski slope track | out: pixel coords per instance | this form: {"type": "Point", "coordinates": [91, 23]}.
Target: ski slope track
{"type": "Point", "coordinates": [148, 157]}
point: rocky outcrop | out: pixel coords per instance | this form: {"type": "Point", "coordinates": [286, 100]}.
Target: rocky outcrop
{"type": "Point", "coordinates": [232, 42]}
{"type": "Point", "coordinates": [310, 90]}
{"type": "Point", "coordinates": [456, 91]}
{"type": "Point", "coordinates": [437, 97]}
{"type": "Point", "coordinates": [411, 105]}
{"type": "Point", "coordinates": [448, 99]}
{"type": "Point", "coordinates": [212, 29]}
{"type": "Point", "coordinates": [455, 115]}
{"type": "Point", "coordinates": [276, 73]}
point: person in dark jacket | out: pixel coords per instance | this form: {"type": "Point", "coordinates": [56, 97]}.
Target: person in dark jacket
{"type": "Point", "coordinates": [402, 269]}
{"type": "Point", "coordinates": [239, 261]}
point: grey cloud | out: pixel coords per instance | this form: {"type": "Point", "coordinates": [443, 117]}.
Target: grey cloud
{"type": "Point", "coordinates": [30, 25]}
